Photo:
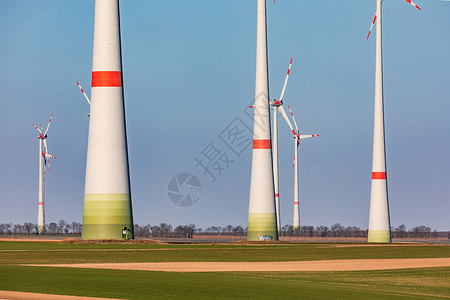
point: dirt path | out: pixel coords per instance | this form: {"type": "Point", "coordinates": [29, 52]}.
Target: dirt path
{"type": "Point", "coordinates": [290, 266]}
{"type": "Point", "coordinates": [36, 296]}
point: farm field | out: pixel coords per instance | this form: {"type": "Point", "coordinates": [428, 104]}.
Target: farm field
{"type": "Point", "coordinates": [411, 283]}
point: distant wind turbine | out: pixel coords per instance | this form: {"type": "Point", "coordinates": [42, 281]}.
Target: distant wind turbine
{"type": "Point", "coordinates": [44, 160]}
{"type": "Point", "coordinates": [379, 221]}
{"type": "Point", "coordinates": [278, 106]}
{"type": "Point", "coordinates": [297, 138]}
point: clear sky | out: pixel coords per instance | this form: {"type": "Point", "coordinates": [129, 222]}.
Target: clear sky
{"type": "Point", "coordinates": [189, 69]}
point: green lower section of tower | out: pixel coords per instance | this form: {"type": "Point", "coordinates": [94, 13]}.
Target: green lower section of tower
{"type": "Point", "coordinates": [262, 227]}
{"type": "Point", "coordinates": [105, 215]}
{"type": "Point", "coordinates": [379, 236]}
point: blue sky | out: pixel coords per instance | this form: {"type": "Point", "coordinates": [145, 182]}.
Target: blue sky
{"type": "Point", "coordinates": [189, 71]}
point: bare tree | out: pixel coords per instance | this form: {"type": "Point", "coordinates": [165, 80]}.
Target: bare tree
{"type": "Point", "coordinates": [156, 231]}
{"type": "Point", "coordinates": [337, 230]}
{"type": "Point", "coordinates": [400, 231]}
{"type": "Point", "coordinates": [61, 226]}
{"type": "Point", "coordinates": [28, 228]}
{"type": "Point", "coordinates": [137, 230]}
{"type": "Point", "coordinates": [166, 229]}
{"type": "Point", "coordinates": [228, 229]}
{"type": "Point", "coordinates": [17, 229]}
{"type": "Point", "coordinates": [238, 230]}
{"type": "Point", "coordinates": [287, 230]}
{"type": "Point", "coordinates": [52, 228]}
{"type": "Point", "coordinates": [76, 227]}
{"type": "Point", "coordinates": [8, 227]}
{"type": "Point", "coordinates": [435, 234]}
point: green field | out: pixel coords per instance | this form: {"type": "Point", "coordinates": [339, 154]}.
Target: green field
{"type": "Point", "coordinates": [425, 283]}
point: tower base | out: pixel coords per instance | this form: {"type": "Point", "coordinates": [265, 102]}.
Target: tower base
{"type": "Point", "coordinates": [262, 227]}
{"type": "Point", "coordinates": [105, 216]}
{"type": "Point", "coordinates": [379, 236]}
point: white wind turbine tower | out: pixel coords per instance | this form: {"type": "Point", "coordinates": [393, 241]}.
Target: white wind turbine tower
{"type": "Point", "coordinates": [379, 221]}
{"type": "Point", "coordinates": [262, 219]}
{"type": "Point", "coordinates": [44, 160]}
{"type": "Point", "coordinates": [107, 193]}
{"type": "Point", "coordinates": [297, 138]}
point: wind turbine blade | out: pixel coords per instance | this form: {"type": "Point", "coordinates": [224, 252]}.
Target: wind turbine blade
{"type": "Point", "coordinates": [45, 153]}
{"type": "Point", "coordinates": [283, 113]}
{"type": "Point", "coordinates": [285, 82]}
{"type": "Point", "coordinates": [40, 131]}
{"type": "Point", "coordinates": [45, 146]}
{"type": "Point", "coordinates": [48, 163]}
{"type": "Point", "coordinates": [293, 118]}
{"type": "Point", "coordinates": [413, 4]}
{"type": "Point", "coordinates": [302, 136]}
{"type": "Point", "coordinates": [51, 117]}
{"type": "Point", "coordinates": [373, 22]}
{"type": "Point", "coordinates": [85, 96]}
{"type": "Point", "coordinates": [374, 19]}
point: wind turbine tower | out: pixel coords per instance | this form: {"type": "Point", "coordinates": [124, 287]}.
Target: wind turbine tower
{"type": "Point", "coordinates": [262, 220]}
{"type": "Point", "coordinates": [107, 199]}
{"type": "Point", "coordinates": [44, 160]}
{"type": "Point", "coordinates": [379, 220]}
{"type": "Point", "coordinates": [297, 138]}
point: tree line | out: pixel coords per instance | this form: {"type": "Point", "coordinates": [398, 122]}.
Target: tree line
{"type": "Point", "coordinates": [60, 228]}
{"type": "Point", "coordinates": [188, 231]}
{"type": "Point", "coordinates": [336, 230]}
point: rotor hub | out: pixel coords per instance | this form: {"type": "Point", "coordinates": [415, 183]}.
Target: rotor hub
{"type": "Point", "coordinates": [276, 103]}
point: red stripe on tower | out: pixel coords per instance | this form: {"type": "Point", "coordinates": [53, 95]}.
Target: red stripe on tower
{"type": "Point", "coordinates": [277, 195]}
{"type": "Point", "coordinates": [379, 175]}
{"type": "Point", "coordinates": [106, 79]}
{"type": "Point", "coordinates": [41, 203]}
{"type": "Point", "coordinates": [262, 144]}
{"type": "Point", "coordinates": [296, 203]}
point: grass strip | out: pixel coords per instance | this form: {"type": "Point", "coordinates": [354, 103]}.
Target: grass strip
{"type": "Point", "coordinates": [430, 283]}
{"type": "Point", "coordinates": [67, 253]}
